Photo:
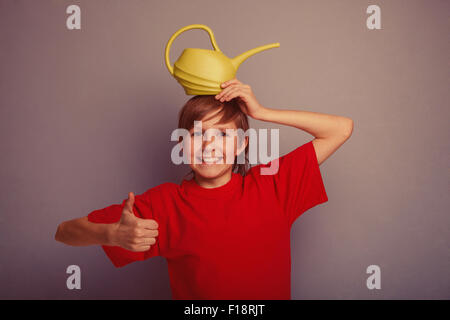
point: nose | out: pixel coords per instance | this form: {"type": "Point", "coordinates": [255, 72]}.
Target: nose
{"type": "Point", "coordinates": [210, 147]}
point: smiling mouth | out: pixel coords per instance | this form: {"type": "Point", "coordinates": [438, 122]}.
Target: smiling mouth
{"type": "Point", "coordinates": [210, 160]}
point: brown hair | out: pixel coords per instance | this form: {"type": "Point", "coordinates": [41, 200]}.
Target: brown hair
{"type": "Point", "coordinates": [199, 106]}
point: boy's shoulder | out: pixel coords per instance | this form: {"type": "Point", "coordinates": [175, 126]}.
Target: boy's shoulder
{"type": "Point", "coordinates": [162, 190]}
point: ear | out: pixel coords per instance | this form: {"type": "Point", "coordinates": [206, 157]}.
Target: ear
{"type": "Point", "coordinates": [242, 147]}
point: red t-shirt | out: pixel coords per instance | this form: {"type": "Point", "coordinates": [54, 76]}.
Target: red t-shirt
{"type": "Point", "coordinates": [230, 242]}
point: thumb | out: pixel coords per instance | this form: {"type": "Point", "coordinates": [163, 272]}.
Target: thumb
{"type": "Point", "coordinates": [129, 203]}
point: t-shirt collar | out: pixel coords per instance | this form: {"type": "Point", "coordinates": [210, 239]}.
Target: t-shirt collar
{"type": "Point", "coordinates": [191, 187]}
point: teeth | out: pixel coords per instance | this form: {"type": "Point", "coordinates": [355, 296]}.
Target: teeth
{"type": "Point", "coordinates": [211, 160]}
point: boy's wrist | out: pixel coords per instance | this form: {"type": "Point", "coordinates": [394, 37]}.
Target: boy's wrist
{"type": "Point", "coordinates": [263, 114]}
{"type": "Point", "coordinates": [109, 234]}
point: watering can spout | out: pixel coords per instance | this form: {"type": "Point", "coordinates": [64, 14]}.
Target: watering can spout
{"type": "Point", "coordinates": [236, 61]}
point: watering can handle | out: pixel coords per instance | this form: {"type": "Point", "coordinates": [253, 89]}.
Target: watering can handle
{"type": "Point", "coordinates": [176, 34]}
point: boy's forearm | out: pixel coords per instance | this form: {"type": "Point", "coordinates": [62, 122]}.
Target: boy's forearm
{"type": "Point", "coordinates": [320, 125]}
{"type": "Point", "coordinates": [81, 232]}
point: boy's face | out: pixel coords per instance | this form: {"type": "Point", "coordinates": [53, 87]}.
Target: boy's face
{"type": "Point", "coordinates": [215, 149]}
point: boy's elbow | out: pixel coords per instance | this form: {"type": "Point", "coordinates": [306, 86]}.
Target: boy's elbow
{"type": "Point", "coordinates": [58, 232]}
{"type": "Point", "coordinates": [347, 128]}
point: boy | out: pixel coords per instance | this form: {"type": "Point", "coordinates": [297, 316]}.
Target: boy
{"type": "Point", "coordinates": [225, 235]}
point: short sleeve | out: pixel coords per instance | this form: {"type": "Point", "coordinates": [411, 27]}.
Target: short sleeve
{"type": "Point", "coordinates": [111, 214]}
{"type": "Point", "coordinates": [298, 182]}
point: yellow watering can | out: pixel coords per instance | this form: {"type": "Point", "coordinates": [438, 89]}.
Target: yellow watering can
{"type": "Point", "coordinates": [201, 71]}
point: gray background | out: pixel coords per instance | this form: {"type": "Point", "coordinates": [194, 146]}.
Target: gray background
{"type": "Point", "coordinates": [86, 117]}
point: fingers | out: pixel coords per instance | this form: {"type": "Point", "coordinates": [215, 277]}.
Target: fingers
{"type": "Point", "coordinates": [229, 82]}
{"type": "Point", "coordinates": [146, 233]}
{"type": "Point", "coordinates": [222, 95]}
{"type": "Point", "coordinates": [146, 242]}
{"type": "Point", "coordinates": [139, 248]}
{"type": "Point", "coordinates": [142, 240]}
{"type": "Point", "coordinates": [149, 224]}
{"type": "Point", "coordinates": [142, 244]}
{"type": "Point", "coordinates": [232, 93]}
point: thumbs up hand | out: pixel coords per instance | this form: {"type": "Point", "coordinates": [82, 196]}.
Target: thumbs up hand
{"type": "Point", "coordinates": [133, 233]}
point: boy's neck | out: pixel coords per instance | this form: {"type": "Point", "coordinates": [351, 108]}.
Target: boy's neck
{"type": "Point", "coordinates": [214, 182]}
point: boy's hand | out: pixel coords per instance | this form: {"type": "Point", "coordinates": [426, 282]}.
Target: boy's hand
{"type": "Point", "coordinates": [245, 98]}
{"type": "Point", "coordinates": [133, 233]}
